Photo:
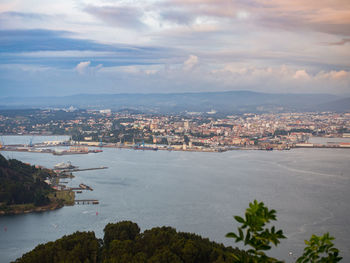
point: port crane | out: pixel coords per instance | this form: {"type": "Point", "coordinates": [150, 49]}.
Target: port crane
{"type": "Point", "coordinates": [30, 142]}
{"type": "Point", "coordinates": [1, 142]}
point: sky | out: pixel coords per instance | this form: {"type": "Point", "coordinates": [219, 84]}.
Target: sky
{"type": "Point", "coordinates": [170, 46]}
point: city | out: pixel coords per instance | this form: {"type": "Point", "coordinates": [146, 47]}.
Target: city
{"type": "Point", "coordinates": [188, 132]}
{"type": "Point", "coordinates": [174, 131]}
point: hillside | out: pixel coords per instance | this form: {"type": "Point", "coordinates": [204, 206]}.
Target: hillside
{"type": "Point", "coordinates": [22, 188]}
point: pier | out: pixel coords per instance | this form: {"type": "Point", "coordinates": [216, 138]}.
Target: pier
{"type": "Point", "coordinates": [81, 187]}
{"type": "Point", "coordinates": [87, 202]}
{"type": "Point", "coordinates": [83, 169]}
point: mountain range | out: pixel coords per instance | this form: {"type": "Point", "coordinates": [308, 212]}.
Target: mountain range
{"type": "Point", "coordinates": [226, 102]}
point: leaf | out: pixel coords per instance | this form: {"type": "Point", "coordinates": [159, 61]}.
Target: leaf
{"type": "Point", "coordinates": [241, 236]}
{"type": "Point", "coordinates": [239, 219]}
{"type": "Point", "coordinates": [231, 235]}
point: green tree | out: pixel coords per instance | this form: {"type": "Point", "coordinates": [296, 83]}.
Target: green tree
{"type": "Point", "coordinates": [124, 230]}
{"type": "Point", "coordinates": [320, 249]}
{"type": "Point", "coordinates": [254, 233]}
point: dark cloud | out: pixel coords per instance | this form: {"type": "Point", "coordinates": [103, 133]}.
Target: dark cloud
{"type": "Point", "coordinates": [44, 40]}
{"type": "Point", "coordinates": [8, 15]}
{"type": "Point", "coordinates": [181, 17]}
{"type": "Point", "coordinates": [29, 47]}
{"type": "Point", "coordinates": [51, 40]}
{"type": "Point", "coordinates": [119, 16]}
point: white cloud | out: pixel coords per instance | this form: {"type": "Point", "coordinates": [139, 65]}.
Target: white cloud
{"type": "Point", "coordinates": [190, 63]}
{"type": "Point", "coordinates": [82, 67]}
{"type": "Point", "coordinates": [85, 68]}
{"type": "Point", "coordinates": [301, 74]}
{"type": "Point", "coordinates": [334, 75]}
{"type": "Point", "coordinates": [242, 15]}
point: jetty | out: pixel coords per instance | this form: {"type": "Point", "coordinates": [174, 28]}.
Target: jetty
{"type": "Point", "coordinates": [83, 169]}
{"type": "Point", "coordinates": [81, 187]}
{"type": "Point", "coordinates": [87, 202]}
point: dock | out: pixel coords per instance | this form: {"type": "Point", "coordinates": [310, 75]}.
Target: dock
{"type": "Point", "coordinates": [81, 187]}
{"type": "Point", "coordinates": [87, 202]}
{"type": "Point", "coordinates": [83, 169]}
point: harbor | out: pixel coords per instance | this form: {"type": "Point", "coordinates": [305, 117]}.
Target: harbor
{"type": "Point", "coordinates": [39, 148]}
{"type": "Point", "coordinates": [65, 170]}
{"type": "Point", "coordinates": [81, 147]}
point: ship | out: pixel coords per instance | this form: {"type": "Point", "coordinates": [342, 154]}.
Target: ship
{"type": "Point", "coordinates": [62, 166]}
{"type": "Point", "coordinates": [145, 148]}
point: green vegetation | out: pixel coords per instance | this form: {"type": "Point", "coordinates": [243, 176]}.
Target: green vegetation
{"type": "Point", "coordinates": [123, 243]}
{"type": "Point", "coordinates": [320, 249]}
{"type": "Point", "coordinates": [21, 183]}
{"type": "Point", "coordinates": [254, 234]}
{"type": "Point", "coordinates": [67, 197]}
{"type": "Point", "coordinates": [78, 247]}
{"type": "Point", "coordinates": [22, 188]}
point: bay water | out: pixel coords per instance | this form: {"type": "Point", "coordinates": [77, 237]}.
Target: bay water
{"type": "Point", "coordinates": [193, 192]}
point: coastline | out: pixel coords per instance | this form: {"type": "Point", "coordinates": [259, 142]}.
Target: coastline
{"type": "Point", "coordinates": [66, 198]}
{"type": "Point", "coordinates": [17, 210]}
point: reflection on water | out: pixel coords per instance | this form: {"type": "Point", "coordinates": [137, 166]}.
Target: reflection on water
{"type": "Point", "coordinates": [195, 192]}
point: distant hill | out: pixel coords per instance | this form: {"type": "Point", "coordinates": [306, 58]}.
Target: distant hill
{"type": "Point", "coordinates": [227, 102]}
{"type": "Point", "coordinates": [336, 105]}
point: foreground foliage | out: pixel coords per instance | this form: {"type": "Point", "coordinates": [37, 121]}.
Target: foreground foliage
{"type": "Point", "coordinates": [320, 249]}
{"type": "Point", "coordinates": [254, 234]}
{"type": "Point", "coordinates": [123, 242]}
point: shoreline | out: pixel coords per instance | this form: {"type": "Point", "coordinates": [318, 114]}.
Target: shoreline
{"type": "Point", "coordinates": [38, 209]}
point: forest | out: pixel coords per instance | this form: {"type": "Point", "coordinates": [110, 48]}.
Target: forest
{"type": "Point", "coordinates": [22, 183]}
{"type": "Point", "coordinates": [123, 242]}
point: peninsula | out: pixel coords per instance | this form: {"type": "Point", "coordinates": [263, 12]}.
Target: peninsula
{"type": "Point", "coordinates": [24, 189]}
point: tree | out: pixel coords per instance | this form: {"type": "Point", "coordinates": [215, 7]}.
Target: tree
{"type": "Point", "coordinates": [252, 232]}
{"type": "Point", "coordinates": [318, 246]}
{"type": "Point", "coordinates": [256, 235]}
{"type": "Point", "coordinates": [124, 230]}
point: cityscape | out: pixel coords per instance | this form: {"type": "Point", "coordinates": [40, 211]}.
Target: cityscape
{"type": "Point", "coordinates": [188, 132]}
{"type": "Point", "coordinates": [174, 131]}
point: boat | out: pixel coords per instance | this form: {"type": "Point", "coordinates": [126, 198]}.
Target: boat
{"type": "Point", "coordinates": [145, 148]}
{"type": "Point", "coordinates": [62, 166]}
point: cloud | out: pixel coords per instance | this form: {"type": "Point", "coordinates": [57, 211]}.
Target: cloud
{"type": "Point", "coordinates": [82, 67]}
{"type": "Point", "coordinates": [301, 74]}
{"type": "Point", "coordinates": [178, 16]}
{"type": "Point", "coordinates": [45, 40]}
{"type": "Point", "coordinates": [340, 43]}
{"type": "Point", "coordinates": [119, 16]}
{"type": "Point", "coordinates": [334, 75]}
{"type": "Point", "coordinates": [190, 63]}
{"type": "Point", "coordinates": [332, 17]}
{"type": "Point", "coordinates": [240, 43]}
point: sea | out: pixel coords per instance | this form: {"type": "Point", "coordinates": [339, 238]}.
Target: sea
{"type": "Point", "coordinates": [196, 192]}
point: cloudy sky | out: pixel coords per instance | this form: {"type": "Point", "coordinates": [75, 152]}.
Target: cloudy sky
{"type": "Point", "coordinates": [128, 46]}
